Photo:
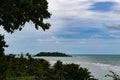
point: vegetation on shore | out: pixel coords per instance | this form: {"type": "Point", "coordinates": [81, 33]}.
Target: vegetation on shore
{"type": "Point", "coordinates": [14, 68]}
{"type": "Point", "coordinates": [28, 68]}
{"type": "Point", "coordinates": [113, 75]}
{"type": "Point", "coordinates": [52, 54]}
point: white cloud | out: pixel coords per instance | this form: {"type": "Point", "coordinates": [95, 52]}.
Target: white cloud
{"type": "Point", "coordinates": [97, 36]}
{"type": "Point", "coordinates": [114, 31]}
{"type": "Point", "coordinates": [79, 9]}
{"type": "Point", "coordinates": [49, 39]}
{"type": "Point", "coordinates": [115, 36]}
{"type": "Point", "coordinates": [83, 42]}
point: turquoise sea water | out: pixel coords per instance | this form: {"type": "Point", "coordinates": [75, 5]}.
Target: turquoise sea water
{"type": "Point", "coordinates": [98, 65]}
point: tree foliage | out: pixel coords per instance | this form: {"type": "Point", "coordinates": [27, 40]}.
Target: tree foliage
{"type": "Point", "coordinates": [15, 13]}
{"type": "Point", "coordinates": [2, 45]}
{"type": "Point", "coordinates": [70, 72]}
{"type": "Point", "coordinates": [113, 75]}
{"type": "Point", "coordinates": [12, 68]}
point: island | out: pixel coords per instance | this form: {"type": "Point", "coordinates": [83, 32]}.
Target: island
{"type": "Point", "coordinates": [51, 54]}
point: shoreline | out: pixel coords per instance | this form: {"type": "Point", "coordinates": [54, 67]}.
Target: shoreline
{"type": "Point", "coordinates": [98, 70]}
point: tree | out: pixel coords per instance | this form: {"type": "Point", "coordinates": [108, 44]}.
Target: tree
{"type": "Point", "coordinates": [58, 70]}
{"type": "Point", "coordinates": [71, 71]}
{"type": "Point", "coordinates": [113, 75]}
{"type": "Point", "coordinates": [15, 13]}
{"type": "Point", "coordinates": [2, 45]}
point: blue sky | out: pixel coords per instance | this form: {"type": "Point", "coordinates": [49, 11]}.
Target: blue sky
{"type": "Point", "coordinates": [78, 27]}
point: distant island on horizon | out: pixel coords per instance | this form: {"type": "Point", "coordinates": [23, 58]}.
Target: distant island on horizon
{"type": "Point", "coordinates": [52, 54]}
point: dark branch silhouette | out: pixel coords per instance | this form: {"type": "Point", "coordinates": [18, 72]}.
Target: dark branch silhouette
{"type": "Point", "coordinates": [15, 13]}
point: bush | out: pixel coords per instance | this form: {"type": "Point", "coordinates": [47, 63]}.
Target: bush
{"type": "Point", "coordinates": [113, 75]}
{"type": "Point", "coordinates": [12, 68]}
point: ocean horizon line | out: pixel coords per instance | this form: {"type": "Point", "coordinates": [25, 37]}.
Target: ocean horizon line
{"type": "Point", "coordinates": [94, 54]}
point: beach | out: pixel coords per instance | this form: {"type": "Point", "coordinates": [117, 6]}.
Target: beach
{"type": "Point", "coordinates": [98, 65]}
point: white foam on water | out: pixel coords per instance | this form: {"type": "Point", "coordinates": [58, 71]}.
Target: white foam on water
{"type": "Point", "coordinates": [99, 70]}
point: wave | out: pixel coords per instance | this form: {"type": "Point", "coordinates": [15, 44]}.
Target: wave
{"type": "Point", "coordinates": [91, 64]}
{"type": "Point", "coordinates": [98, 69]}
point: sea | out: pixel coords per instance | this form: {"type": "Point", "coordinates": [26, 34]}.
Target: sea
{"type": "Point", "coordinates": [98, 65]}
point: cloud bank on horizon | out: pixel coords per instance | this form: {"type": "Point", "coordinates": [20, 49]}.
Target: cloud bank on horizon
{"type": "Point", "coordinates": [78, 26]}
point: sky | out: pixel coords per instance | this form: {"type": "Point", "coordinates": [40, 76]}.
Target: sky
{"type": "Point", "coordinates": [77, 27]}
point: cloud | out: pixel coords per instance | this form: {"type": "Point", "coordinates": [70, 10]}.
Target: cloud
{"type": "Point", "coordinates": [114, 31]}
{"type": "Point", "coordinates": [75, 28]}
{"type": "Point", "coordinates": [97, 36]}
{"type": "Point", "coordinates": [58, 41]}
{"type": "Point", "coordinates": [51, 39]}
{"type": "Point", "coordinates": [83, 41]}
{"type": "Point", "coordinates": [102, 6]}
{"type": "Point", "coordinates": [113, 26]}
{"type": "Point", "coordinates": [80, 9]}
{"type": "Point", "coordinates": [115, 36]}
{"type": "Point", "coordinates": [83, 33]}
